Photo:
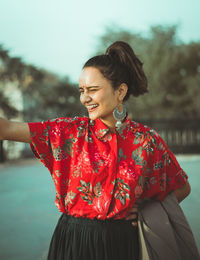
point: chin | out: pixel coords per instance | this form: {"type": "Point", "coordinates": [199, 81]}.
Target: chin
{"type": "Point", "coordinates": [93, 117]}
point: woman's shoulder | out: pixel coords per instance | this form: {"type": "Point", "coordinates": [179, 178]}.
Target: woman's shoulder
{"type": "Point", "coordinates": [70, 120]}
{"type": "Point", "coordinates": [143, 128]}
{"type": "Point", "coordinates": [65, 125]}
{"type": "Point", "coordinates": [146, 134]}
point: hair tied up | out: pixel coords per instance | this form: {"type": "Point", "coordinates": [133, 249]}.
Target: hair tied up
{"type": "Point", "coordinates": [124, 53]}
{"type": "Point", "coordinates": [120, 65]}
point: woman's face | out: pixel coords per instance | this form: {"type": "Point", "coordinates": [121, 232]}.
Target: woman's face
{"type": "Point", "coordinates": [98, 95]}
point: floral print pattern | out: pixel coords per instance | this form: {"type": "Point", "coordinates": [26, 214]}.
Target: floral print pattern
{"type": "Point", "coordinates": [99, 173]}
{"type": "Point", "coordinates": [88, 193]}
{"type": "Point", "coordinates": [122, 191]}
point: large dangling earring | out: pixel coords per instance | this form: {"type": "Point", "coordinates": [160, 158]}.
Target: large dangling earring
{"type": "Point", "coordinates": [119, 116]}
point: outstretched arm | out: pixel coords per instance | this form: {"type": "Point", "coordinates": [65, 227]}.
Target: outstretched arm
{"type": "Point", "coordinates": [14, 131]}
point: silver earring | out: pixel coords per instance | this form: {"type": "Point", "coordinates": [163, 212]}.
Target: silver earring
{"type": "Point", "coordinates": [119, 116]}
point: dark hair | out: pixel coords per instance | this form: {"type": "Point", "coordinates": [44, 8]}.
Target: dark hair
{"type": "Point", "coordinates": [121, 65]}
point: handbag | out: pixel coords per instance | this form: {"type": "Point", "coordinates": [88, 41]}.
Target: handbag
{"type": "Point", "coordinates": [164, 232]}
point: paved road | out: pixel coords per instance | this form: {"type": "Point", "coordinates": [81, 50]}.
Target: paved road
{"type": "Point", "coordinates": [28, 215]}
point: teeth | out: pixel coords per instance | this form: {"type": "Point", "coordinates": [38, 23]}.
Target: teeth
{"type": "Point", "coordinates": [92, 106]}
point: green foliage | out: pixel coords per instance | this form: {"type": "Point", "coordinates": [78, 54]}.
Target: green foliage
{"type": "Point", "coordinates": [51, 100]}
{"type": "Point", "coordinates": [8, 108]}
{"type": "Point", "coordinates": [172, 68]}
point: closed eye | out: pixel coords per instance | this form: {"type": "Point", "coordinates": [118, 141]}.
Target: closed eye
{"type": "Point", "coordinates": [89, 90]}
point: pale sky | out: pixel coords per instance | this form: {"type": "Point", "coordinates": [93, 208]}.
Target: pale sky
{"type": "Point", "coordinates": [60, 35]}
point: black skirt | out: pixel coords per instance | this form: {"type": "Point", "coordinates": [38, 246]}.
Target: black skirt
{"type": "Point", "coordinates": [93, 239]}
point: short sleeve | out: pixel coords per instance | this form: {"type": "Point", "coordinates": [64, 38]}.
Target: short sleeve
{"type": "Point", "coordinates": [41, 141]}
{"type": "Point", "coordinates": [53, 141]}
{"type": "Point", "coordinates": [163, 173]}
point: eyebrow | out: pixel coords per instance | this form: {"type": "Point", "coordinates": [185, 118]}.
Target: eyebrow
{"type": "Point", "coordinates": [89, 87]}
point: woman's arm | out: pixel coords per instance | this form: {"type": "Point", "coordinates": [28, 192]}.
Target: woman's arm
{"type": "Point", "coordinates": [133, 214]}
{"type": "Point", "coordinates": [14, 131]}
{"type": "Point", "coordinates": [182, 192]}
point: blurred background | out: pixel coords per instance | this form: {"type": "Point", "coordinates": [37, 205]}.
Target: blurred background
{"type": "Point", "coordinates": [43, 46]}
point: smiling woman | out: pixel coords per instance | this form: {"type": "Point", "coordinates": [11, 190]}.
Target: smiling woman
{"type": "Point", "coordinates": [98, 95]}
{"type": "Point", "coordinates": [104, 164]}
{"type": "Point", "coordinates": [108, 80]}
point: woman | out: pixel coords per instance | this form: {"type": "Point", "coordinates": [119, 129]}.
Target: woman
{"type": "Point", "coordinates": [102, 164]}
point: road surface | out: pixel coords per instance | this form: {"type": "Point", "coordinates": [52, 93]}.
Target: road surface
{"type": "Point", "coordinates": [28, 214]}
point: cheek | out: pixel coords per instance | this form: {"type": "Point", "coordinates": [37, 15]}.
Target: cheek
{"type": "Point", "coordinates": [81, 100]}
{"type": "Point", "coordinates": [105, 96]}
{"type": "Point", "coordinates": [110, 99]}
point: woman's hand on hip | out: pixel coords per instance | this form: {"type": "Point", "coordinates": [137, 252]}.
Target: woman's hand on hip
{"type": "Point", "coordinates": [133, 214]}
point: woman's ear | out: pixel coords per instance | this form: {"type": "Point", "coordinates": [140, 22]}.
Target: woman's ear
{"type": "Point", "coordinates": [122, 90]}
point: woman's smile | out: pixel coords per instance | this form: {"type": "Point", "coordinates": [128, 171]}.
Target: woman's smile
{"type": "Point", "coordinates": [98, 95]}
{"type": "Point", "coordinates": [91, 108]}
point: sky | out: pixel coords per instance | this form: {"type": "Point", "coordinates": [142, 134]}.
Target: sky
{"type": "Point", "coordinates": [60, 35]}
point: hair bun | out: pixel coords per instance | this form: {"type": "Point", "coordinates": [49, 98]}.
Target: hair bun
{"type": "Point", "coordinates": [123, 53]}
{"type": "Point", "coordinates": [120, 65]}
{"type": "Point", "coordinates": [117, 51]}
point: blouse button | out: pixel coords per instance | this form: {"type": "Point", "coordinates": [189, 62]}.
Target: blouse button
{"type": "Point", "coordinates": [91, 122]}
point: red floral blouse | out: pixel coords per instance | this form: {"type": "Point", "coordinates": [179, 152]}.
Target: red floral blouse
{"type": "Point", "coordinates": [99, 173]}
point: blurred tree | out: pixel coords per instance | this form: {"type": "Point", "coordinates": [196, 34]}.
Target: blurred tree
{"type": "Point", "coordinates": [52, 99]}
{"type": "Point", "coordinates": [184, 81]}
{"type": "Point", "coordinates": [8, 109]}
{"type": "Point", "coordinates": [172, 69]}
{"type": "Point", "coordinates": [15, 76]}
{"type": "Point", "coordinates": [44, 94]}
{"type": "Point", "coordinates": [5, 107]}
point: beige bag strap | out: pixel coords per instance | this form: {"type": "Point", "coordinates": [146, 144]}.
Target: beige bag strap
{"type": "Point", "coordinates": [143, 249]}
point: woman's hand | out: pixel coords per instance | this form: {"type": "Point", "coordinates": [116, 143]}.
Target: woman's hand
{"type": "Point", "coordinates": [183, 192]}
{"type": "Point", "coordinates": [132, 215]}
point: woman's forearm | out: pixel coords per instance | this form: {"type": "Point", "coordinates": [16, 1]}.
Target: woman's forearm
{"type": "Point", "coordinates": [3, 126]}
{"type": "Point", "coordinates": [14, 131]}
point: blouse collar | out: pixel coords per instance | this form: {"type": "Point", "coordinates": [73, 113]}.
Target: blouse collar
{"type": "Point", "coordinates": [101, 130]}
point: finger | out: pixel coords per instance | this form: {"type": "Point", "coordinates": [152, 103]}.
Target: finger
{"type": "Point", "coordinates": [133, 210]}
{"type": "Point", "coordinates": [134, 223]}
{"type": "Point", "coordinates": [131, 217]}
{"type": "Point", "coordinates": [135, 206]}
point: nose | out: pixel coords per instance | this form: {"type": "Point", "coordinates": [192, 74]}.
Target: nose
{"type": "Point", "coordinates": [85, 98]}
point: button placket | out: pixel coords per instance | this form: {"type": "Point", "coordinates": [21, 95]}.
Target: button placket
{"type": "Point", "coordinates": [113, 144]}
